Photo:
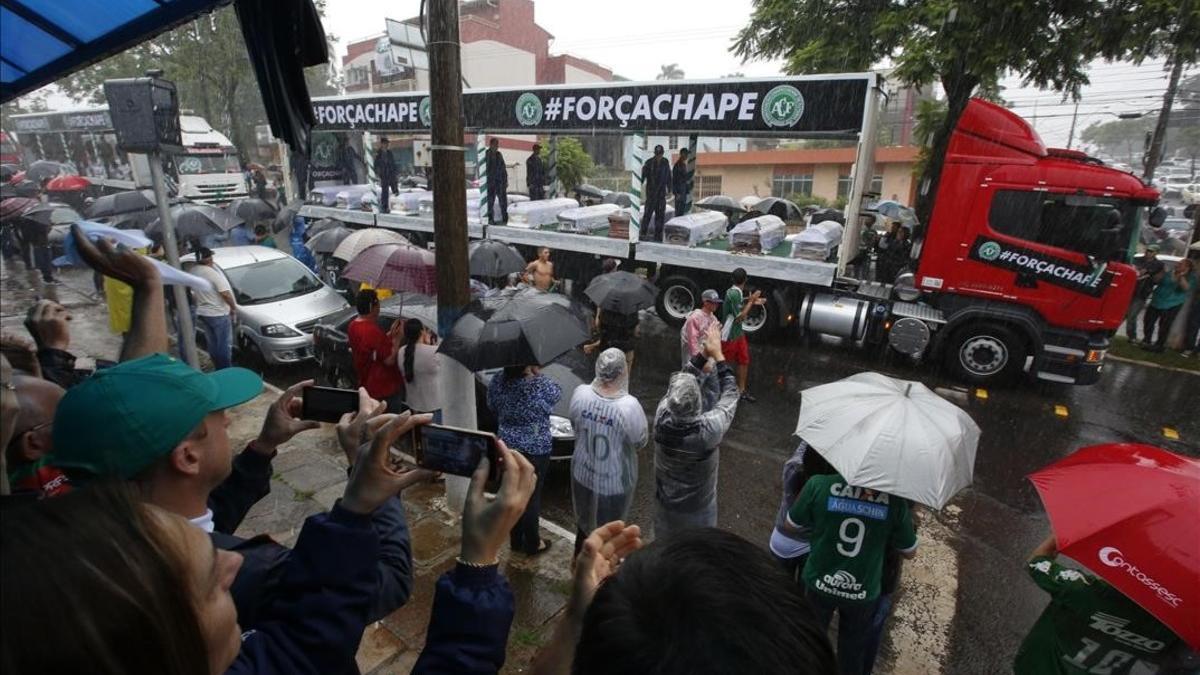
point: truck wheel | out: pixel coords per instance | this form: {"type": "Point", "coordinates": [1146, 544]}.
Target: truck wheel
{"type": "Point", "coordinates": [677, 297]}
{"type": "Point", "coordinates": [762, 322]}
{"type": "Point", "coordinates": [985, 353]}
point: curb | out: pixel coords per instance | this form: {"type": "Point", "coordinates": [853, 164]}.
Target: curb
{"type": "Point", "coordinates": [1150, 364]}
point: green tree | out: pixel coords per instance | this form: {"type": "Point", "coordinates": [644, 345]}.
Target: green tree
{"type": "Point", "coordinates": [966, 46]}
{"type": "Point", "coordinates": [574, 164]}
{"type": "Point", "coordinates": [1121, 138]}
{"type": "Point", "coordinates": [670, 71]}
{"type": "Point", "coordinates": [207, 60]}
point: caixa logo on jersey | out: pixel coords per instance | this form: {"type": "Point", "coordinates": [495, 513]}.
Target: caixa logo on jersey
{"type": "Point", "coordinates": [1073, 276]}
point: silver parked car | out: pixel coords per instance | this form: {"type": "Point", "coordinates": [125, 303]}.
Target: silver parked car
{"type": "Point", "coordinates": [279, 301]}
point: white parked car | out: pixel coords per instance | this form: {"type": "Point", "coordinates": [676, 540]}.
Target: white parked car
{"type": "Point", "coordinates": [279, 301]}
{"type": "Point", "coordinates": [1190, 193]}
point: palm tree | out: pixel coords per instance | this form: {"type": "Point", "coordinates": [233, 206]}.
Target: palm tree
{"type": "Point", "coordinates": [670, 71]}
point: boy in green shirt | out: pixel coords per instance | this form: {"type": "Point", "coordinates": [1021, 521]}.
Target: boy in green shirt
{"type": "Point", "coordinates": [1088, 627]}
{"type": "Point", "coordinates": [734, 311]}
{"type": "Point", "coordinates": [852, 528]}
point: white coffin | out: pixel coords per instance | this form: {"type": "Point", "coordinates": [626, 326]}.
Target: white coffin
{"type": "Point", "coordinates": [586, 219]}
{"type": "Point", "coordinates": [757, 235]}
{"type": "Point", "coordinates": [817, 242]}
{"type": "Point", "coordinates": [694, 228]}
{"type": "Point", "coordinates": [539, 212]}
{"type": "Point", "coordinates": [409, 202]}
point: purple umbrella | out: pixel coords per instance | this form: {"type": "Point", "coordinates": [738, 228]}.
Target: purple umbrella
{"type": "Point", "coordinates": [396, 267]}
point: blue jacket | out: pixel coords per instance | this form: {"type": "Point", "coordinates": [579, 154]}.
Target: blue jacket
{"type": "Point", "coordinates": [259, 582]}
{"type": "Point", "coordinates": [656, 178]}
{"type": "Point", "coordinates": [468, 631]}
{"type": "Point", "coordinates": [317, 620]}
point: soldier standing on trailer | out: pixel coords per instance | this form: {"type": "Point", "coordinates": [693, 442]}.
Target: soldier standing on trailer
{"type": "Point", "coordinates": [535, 174]}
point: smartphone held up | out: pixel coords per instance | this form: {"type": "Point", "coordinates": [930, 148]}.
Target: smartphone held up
{"type": "Point", "coordinates": [455, 451]}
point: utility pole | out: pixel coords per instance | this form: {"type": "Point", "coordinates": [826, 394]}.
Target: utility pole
{"type": "Point", "coordinates": [450, 217]}
{"type": "Point", "coordinates": [1155, 151]}
{"type": "Point", "coordinates": [1071, 133]}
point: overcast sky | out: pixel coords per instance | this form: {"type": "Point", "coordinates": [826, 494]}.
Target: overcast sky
{"type": "Point", "coordinates": [635, 37]}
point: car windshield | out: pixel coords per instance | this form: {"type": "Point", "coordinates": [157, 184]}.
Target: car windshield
{"type": "Point", "coordinates": [207, 163]}
{"type": "Point", "coordinates": [270, 281]}
{"type": "Point", "coordinates": [1177, 224]}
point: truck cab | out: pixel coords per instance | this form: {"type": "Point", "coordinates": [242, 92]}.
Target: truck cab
{"type": "Point", "coordinates": [1027, 253]}
{"type": "Point", "coordinates": [208, 169]}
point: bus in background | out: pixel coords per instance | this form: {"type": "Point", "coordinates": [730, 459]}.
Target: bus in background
{"type": "Point", "coordinates": [207, 170]}
{"type": "Point", "coordinates": [10, 150]}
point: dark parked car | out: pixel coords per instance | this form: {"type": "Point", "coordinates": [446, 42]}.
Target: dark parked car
{"type": "Point", "coordinates": [333, 354]}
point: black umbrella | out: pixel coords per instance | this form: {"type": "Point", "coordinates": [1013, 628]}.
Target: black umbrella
{"type": "Point", "coordinates": [52, 214]}
{"type": "Point", "coordinates": [283, 219]}
{"type": "Point", "coordinates": [326, 241]}
{"type": "Point", "coordinates": [782, 208]}
{"type": "Point", "coordinates": [196, 221]}
{"type": "Point", "coordinates": [621, 292]}
{"type": "Point", "coordinates": [117, 203]}
{"type": "Point", "coordinates": [7, 171]}
{"type": "Point", "coordinates": [722, 204]}
{"type": "Point", "coordinates": [322, 225]}
{"type": "Point", "coordinates": [25, 188]}
{"type": "Point", "coordinates": [513, 330]}
{"type": "Point", "coordinates": [42, 169]}
{"type": "Point", "coordinates": [251, 209]}
{"type": "Point", "coordinates": [622, 199]}
{"type": "Point", "coordinates": [491, 258]}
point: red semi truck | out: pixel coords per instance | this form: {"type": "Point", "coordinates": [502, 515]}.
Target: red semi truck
{"type": "Point", "coordinates": [1023, 267]}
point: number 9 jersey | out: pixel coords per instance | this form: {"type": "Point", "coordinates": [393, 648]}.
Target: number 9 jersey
{"type": "Point", "coordinates": [852, 528]}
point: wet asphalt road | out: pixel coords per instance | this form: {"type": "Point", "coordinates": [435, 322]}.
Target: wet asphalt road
{"type": "Point", "coordinates": [966, 602]}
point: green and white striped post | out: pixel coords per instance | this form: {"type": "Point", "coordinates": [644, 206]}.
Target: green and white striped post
{"type": "Point", "coordinates": [481, 171]}
{"type": "Point", "coordinates": [693, 141]}
{"type": "Point", "coordinates": [552, 168]}
{"type": "Point", "coordinates": [369, 155]}
{"type": "Point", "coordinates": [634, 159]}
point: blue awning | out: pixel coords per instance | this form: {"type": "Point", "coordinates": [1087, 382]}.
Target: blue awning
{"type": "Point", "coordinates": [44, 40]}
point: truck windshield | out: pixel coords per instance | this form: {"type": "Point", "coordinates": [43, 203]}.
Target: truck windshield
{"type": "Point", "coordinates": [1094, 226]}
{"type": "Point", "coordinates": [271, 281]}
{"type": "Point", "coordinates": [197, 164]}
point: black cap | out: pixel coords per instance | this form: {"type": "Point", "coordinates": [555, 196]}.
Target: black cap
{"type": "Point", "coordinates": [204, 253]}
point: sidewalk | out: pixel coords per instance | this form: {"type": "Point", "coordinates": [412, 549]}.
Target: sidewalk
{"type": "Point", "coordinates": [309, 475]}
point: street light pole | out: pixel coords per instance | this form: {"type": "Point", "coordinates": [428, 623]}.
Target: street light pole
{"type": "Point", "coordinates": [450, 217]}
{"type": "Point", "coordinates": [183, 311]}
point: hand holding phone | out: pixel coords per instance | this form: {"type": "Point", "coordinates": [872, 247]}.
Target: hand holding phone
{"type": "Point", "coordinates": [454, 451]}
{"type": "Point", "coordinates": [328, 404]}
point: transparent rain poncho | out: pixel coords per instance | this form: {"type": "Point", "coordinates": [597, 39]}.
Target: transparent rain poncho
{"type": "Point", "coordinates": [686, 456]}
{"type": "Point", "coordinates": [610, 427]}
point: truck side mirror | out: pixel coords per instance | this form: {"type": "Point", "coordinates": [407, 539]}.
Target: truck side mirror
{"type": "Point", "coordinates": [1158, 216]}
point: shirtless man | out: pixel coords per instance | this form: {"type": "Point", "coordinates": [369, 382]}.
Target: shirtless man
{"type": "Point", "coordinates": [541, 271]}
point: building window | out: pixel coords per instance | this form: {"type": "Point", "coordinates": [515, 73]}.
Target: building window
{"type": "Point", "coordinates": [707, 186]}
{"type": "Point", "coordinates": [876, 184]}
{"type": "Point", "coordinates": [785, 185]}
{"type": "Point", "coordinates": [843, 190]}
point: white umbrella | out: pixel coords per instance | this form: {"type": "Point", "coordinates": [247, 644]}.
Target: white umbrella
{"type": "Point", "coordinates": [364, 239]}
{"type": "Point", "coordinates": [890, 435]}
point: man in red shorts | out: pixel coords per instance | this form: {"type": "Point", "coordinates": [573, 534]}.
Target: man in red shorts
{"type": "Point", "coordinates": [733, 339]}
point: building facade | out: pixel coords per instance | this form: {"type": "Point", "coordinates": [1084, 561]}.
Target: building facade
{"type": "Point", "coordinates": [823, 173]}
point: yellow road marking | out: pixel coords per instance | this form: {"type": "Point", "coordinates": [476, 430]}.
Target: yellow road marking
{"type": "Point", "coordinates": [981, 394]}
{"type": "Point", "coordinates": [1170, 433]}
{"type": "Point", "coordinates": [1061, 411]}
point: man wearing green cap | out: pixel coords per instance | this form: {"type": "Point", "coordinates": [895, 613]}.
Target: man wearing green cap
{"type": "Point", "coordinates": [161, 424]}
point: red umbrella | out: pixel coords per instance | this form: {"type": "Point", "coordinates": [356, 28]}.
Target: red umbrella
{"type": "Point", "coordinates": [17, 178]}
{"type": "Point", "coordinates": [396, 267]}
{"type": "Point", "coordinates": [1131, 514]}
{"type": "Point", "coordinates": [15, 206]}
{"type": "Point", "coordinates": [68, 183]}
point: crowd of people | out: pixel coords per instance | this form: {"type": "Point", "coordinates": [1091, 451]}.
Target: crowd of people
{"type": "Point", "coordinates": [122, 494]}
{"type": "Point", "coordinates": [1159, 296]}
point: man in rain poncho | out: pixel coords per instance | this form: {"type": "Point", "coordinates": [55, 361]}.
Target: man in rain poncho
{"type": "Point", "coordinates": [686, 439]}
{"type": "Point", "coordinates": [610, 427]}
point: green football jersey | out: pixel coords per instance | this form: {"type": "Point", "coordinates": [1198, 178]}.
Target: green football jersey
{"type": "Point", "coordinates": [852, 528]}
{"type": "Point", "coordinates": [1089, 627]}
